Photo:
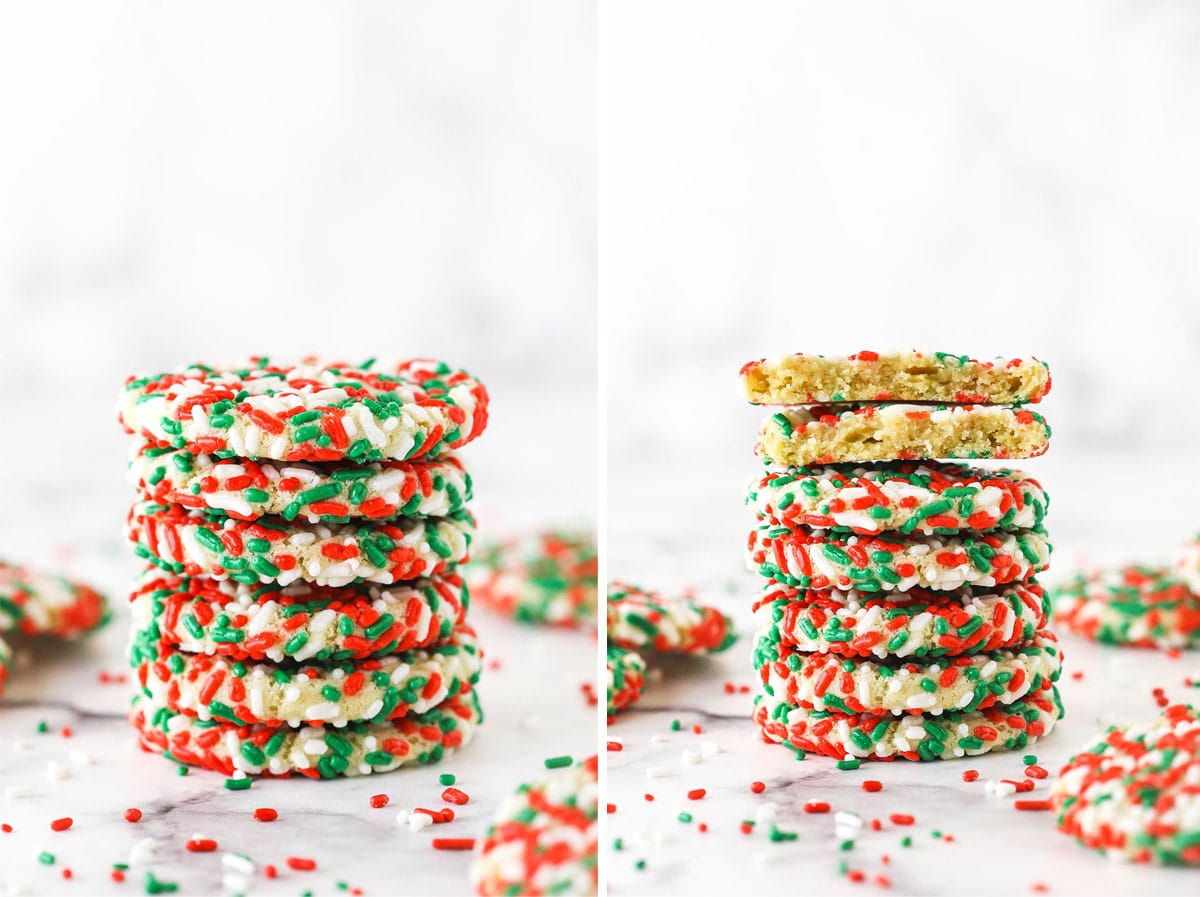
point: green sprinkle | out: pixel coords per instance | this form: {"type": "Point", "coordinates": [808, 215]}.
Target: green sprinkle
{"type": "Point", "coordinates": [238, 784]}
{"type": "Point", "coordinates": [559, 762]}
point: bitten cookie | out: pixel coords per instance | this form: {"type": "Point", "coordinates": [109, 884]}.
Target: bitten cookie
{"type": "Point", "coordinates": [547, 578]}
{"type": "Point", "coordinates": [544, 838]}
{"type": "Point", "coordinates": [311, 411]}
{"type": "Point", "coordinates": [911, 737]}
{"type": "Point", "coordinates": [34, 603]}
{"type": "Point", "coordinates": [216, 688]}
{"type": "Point", "coordinates": [300, 621]}
{"type": "Point", "coordinates": [821, 559]}
{"type": "Point", "coordinates": [891, 431]}
{"type": "Point", "coordinates": [1134, 792]}
{"type": "Point", "coordinates": [894, 376]}
{"type": "Point", "coordinates": [924, 497]}
{"type": "Point", "coordinates": [963, 683]}
{"type": "Point", "coordinates": [916, 623]}
{"type": "Point", "coordinates": [318, 752]}
{"type": "Point", "coordinates": [247, 490]}
{"type": "Point", "coordinates": [642, 620]}
{"type": "Point", "coordinates": [626, 675]}
{"type": "Point", "coordinates": [195, 544]}
{"type": "Point", "coordinates": [1136, 605]}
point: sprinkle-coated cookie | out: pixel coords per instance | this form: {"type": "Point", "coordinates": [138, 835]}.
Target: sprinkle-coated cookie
{"type": "Point", "coordinates": [230, 691]}
{"type": "Point", "coordinates": [891, 431]}
{"type": "Point", "coordinates": [546, 578]}
{"type": "Point", "coordinates": [903, 496]}
{"type": "Point", "coordinates": [820, 559]}
{"type": "Point", "coordinates": [311, 411]}
{"type": "Point", "coordinates": [910, 737]}
{"type": "Point", "coordinates": [1134, 792]}
{"type": "Point", "coordinates": [272, 550]}
{"type": "Point", "coordinates": [247, 490]}
{"type": "Point", "coordinates": [318, 752]}
{"type": "Point", "coordinates": [300, 621]}
{"type": "Point", "coordinates": [543, 839]}
{"type": "Point", "coordinates": [1187, 564]}
{"type": "Point", "coordinates": [643, 620]}
{"type": "Point", "coordinates": [5, 663]}
{"type": "Point", "coordinates": [1138, 605]}
{"type": "Point", "coordinates": [626, 678]}
{"type": "Point", "coordinates": [894, 376]}
{"type": "Point", "coordinates": [935, 686]}
{"type": "Point", "coordinates": [916, 623]}
{"type": "Point", "coordinates": [34, 603]}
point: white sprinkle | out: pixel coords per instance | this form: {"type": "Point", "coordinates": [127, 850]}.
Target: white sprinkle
{"type": "Point", "coordinates": [419, 821]}
{"type": "Point", "coordinates": [766, 812]}
{"type": "Point", "coordinates": [238, 863]}
{"type": "Point", "coordinates": [143, 852]}
{"type": "Point", "coordinates": [691, 757]}
{"type": "Point", "coordinates": [79, 758]}
{"type": "Point", "coordinates": [659, 772]}
{"type": "Point", "coordinates": [56, 772]}
{"type": "Point", "coordinates": [13, 792]}
{"type": "Point", "coordinates": [711, 748]}
{"type": "Point", "coordinates": [659, 739]}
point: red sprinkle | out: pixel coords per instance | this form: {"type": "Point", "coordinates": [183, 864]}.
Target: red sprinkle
{"type": "Point", "coordinates": [901, 819]}
{"type": "Point", "coordinates": [61, 825]}
{"type": "Point", "coordinates": [612, 808]}
{"type": "Point", "coordinates": [1036, 772]}
{"type": "Point", "coordinates": [970, 775]}
{"type": "Point", "coordinates": [872, 785]}
{"type": "Point", "coordinates": [266, 814]}
{"type": "Point", "coordinates": [201, 845]}
{"type": "Point", "coordinates": [758, 787]}
{"type": "Point", "coordinates": [616, 746]}
{"type": "Point", "coordinates": [816, 806]}
{"type": "Point", "coordinates": [649, 796]}
{"type": "Point", "coordinates": [1032, 804]}
{"type": "Point", "coordinates": [453, 843]}
{"type": "Point", "coordinates": [379, 800]}
{"type": "Point", "coordinates": [133, 814]}
{"type": "Point", "coordinates": [6, 828]}
{"type": "Point", "coordinates": [270, 871]}
{"type": "Point", "coordinates": [454, 796]}
{"type": "Point", "coordinates": [118, 875]}
{"type": "Point", "coordinates": [301, 864]}
{"type": "Point", "coordinates": [696, 794]}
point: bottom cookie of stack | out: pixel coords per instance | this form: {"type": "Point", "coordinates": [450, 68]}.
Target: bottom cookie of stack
{"type": "Point", "coordinates": [626, 678]}
{"type": "Point", "coordinates": [913, 736]}
{"type": "Point", "coordinates": [314, 751]}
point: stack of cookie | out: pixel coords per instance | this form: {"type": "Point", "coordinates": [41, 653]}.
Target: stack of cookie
{"type": "Point", "coordinates": [901, 615]}
{"type": "Point", "coordinates": [300, 611]}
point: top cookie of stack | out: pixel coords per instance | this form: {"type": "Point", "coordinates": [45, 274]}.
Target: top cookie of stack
{"type": "Point", "coordinates": [881, 407]}
{"type": "Point", "coordinates": [901, 614]}
{"type": "Point", "coordinates": [303, 525]}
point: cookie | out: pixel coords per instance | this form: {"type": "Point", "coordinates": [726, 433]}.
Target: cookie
{"type": "Point", "coordinates": [544, 838]}
{"type": "Point", "coordinates": [300, 621]}
{"type": "Point", "coordinates": [1187, 565]}
{"type": "Point", "coordinates": [821, 559]}
{"type": "Point", "coordinates": [333, 694]}
{"type": "Point", "coordinates": [1142, 606]}
{"type": "Point", "coordinates": [925, 497]}
{"type": "Point", "coordinates": [546, 578]}
{"type": "Point", "coordinates": [1134, 791]}
{"type": "Point", "coordinates": [643, 620]}
{"type": "Point", "coordinates": [271, 550]}
{"type": "Point", "coordinates": [916, 623]}
{"type": "Point", "coordinates": [318, 752]}
{"type": "Point", "coordinates": [5, 663]}
{"type": "Point", "coordinates": [964, 683]}
{"type": "Point", "coordinates": [823, 434]}
{"type": "Point", "coordinates": [915, 736]}
{"type": "Point", "coordinates": [247, 490]}
{"type": "Point", "coordinates": [894, 376]}
{"type": "Point", "coordinates": [310, 411]}
{"type": "Point", "coordinates": [626, 675]}
{"type": "Point", "coordinates": [34, 603]}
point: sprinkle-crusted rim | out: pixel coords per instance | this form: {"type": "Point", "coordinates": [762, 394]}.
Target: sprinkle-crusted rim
{"type": "Point", "coordinates": [317, 752]}
{"type": "Point", "coordinates": [1132, 790]}
{"type": "Point", "coordinates": [192, 543]}
{"type": "Point", "coordinates": [926, 497]}
{"type": "Point", "coordinates": [301, 621]}
{"type": "Point", "coordinates": [544, 838]}
{"type": "Point", "coordinates": [545, 578]}
{"type": "Point", "coordinates": [247, 490]}
{"type": "Point", "coordinates": [960, 684]}
{"type": "Point", "coordinates": [311, 410]}
{"type": "Point", "coordinates": [912, 737]}
{"type": "Point", "coordinates": [643, 620]}
{"type": "Point", "coordinates": [936, 431]}
{"type": "Point", "coordinates": [36, 603]}
{"type": "Point", "coordinates": [5, 663]}
{"type": "Point", "coordinates": [1135, 604]}
{"type": "Point", "coordinates": [626, 678]}
{"type": "Point", "coordinates": [1187, 564]}
{"type": "Point", "coordinates": [916, 623]}
{"type": "Point", "coordinates": [821, 559]}
{"type": "Point", "coordinates": [896, 376]}
{"type": "Point", "coordinates": [215, 688]}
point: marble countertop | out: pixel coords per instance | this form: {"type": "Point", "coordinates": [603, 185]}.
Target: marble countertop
{"type": "Point", "coordinates": [986, 846]}
{"type": "Point", "coordinates": [534, 708]}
